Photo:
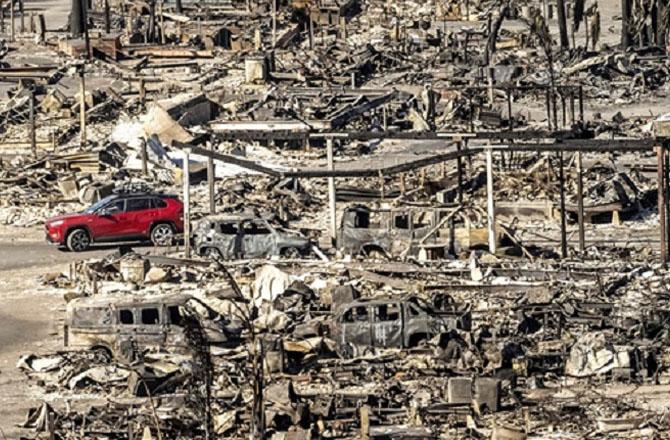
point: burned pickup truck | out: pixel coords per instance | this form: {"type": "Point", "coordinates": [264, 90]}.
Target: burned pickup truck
{"type": "Point", "coordinates": [422, 232]}
{"type": "Point", "coordinates": [117, 326]}
{"type": "Point", "coordinates": [394, 322]}
{"type": "Point", "coordinates": [246, 236]}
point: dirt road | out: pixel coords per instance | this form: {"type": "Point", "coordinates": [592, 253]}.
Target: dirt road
{"type": "Point", "coordinates": [28, 313]}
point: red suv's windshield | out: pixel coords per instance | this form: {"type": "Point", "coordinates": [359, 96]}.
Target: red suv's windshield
{"type": "Point", "coordinates": [99, 204]}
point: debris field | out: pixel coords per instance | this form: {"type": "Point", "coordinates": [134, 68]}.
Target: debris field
{"type": "Point", "coordinates": [353, 219]}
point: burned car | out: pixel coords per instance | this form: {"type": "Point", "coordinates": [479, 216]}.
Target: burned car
{"type": "Point", "coordinates": [421, 232]}
{"type": "Point", "coordinates": [394, 322]}
{"type": "Point", "coordinates": [116, 326]}
{"type": "Point", "coordinates": [241, 237]}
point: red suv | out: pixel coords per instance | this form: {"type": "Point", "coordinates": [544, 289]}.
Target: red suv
{"type": "Point", "coordinates": [120, 217]}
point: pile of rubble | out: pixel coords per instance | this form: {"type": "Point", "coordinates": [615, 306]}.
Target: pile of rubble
{"type": "Point", "coordinates": [316, 351]}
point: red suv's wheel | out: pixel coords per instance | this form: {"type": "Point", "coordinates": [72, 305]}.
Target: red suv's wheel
{"type": "Point", "coordinates": [162, 234]}
{"type": "Point", "coordinates": [78, 240]}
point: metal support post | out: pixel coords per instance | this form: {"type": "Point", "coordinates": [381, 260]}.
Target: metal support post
{"type": "Point", "coordinates": [210, 182]}
{"type": "Point", "coordinates": [145, 169]}
{"type": "Point", "coordinates": [490, 206]}
{"type": "Point", "coordinates": [82, 106]}
{"type": "Point", "coordinates": [187, 203]}
{"type": "Point", "coordinates": [580, 202]}
{"type": "Point", "coordinates": [331, 193]}
{"type": "Point", "coordinates": [564, 234]}
{"type": "Point", "coordinates": [33, 142]}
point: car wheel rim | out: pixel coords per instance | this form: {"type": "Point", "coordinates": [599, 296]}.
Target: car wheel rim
{"type": "Point", "coordinates": [80, 241]}
{"type": "Point", "coordinates": [162, 235]}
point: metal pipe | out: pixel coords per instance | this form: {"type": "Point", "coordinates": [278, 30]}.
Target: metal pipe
{"type": "Point", "coordinates": [666, 194]}
{"type": "Point", "coordinates": [145, 170]}
{"type": "Point", "coordinates": [564, 233]}
{"type": "Point", "coordinates": [459, 168]}
{"type": "Point", "coordinates": [33, 143]}
{"type": "Point", "coordinates": [11, 18]}
{"type": "Point", "coordinates": [580, 202]}
{"type": "Point", "coordinates": [274, 23]}
{"type": "Point", "coordinates": [661, 203]}
{"type": "Point", "coordinates": [210, 182]}
{"type": "Point", "coordinates": [490, 205]}
{"type": "Point", "coordinates": [187, 203]}
{"type": "Point", "coordinates": [332, 208]}
{"type": "Point", "coordinates": [509, 110]}
{"type": "Point", "coordinates": [82, 106]}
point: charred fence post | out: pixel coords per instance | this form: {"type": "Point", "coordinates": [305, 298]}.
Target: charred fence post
{"type": "Point", "coordinates": [490, 204]}
{"type": "Point", "coordinates": [187, 203]}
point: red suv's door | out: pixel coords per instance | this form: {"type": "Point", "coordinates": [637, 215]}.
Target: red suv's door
{"type": "Point", "coordinates": [141, 215]}
{"type": "Point", "coordinates": [111, 221]}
